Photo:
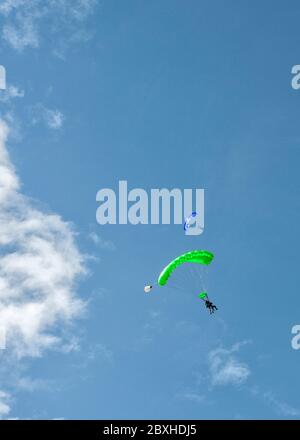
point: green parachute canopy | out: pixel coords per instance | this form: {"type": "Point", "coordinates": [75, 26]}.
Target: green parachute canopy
{"type": "Point", "coordinates": [198, 256]}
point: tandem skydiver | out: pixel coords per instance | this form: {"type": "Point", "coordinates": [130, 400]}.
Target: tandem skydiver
{"type": "Point", "coordinates": [210, 306]}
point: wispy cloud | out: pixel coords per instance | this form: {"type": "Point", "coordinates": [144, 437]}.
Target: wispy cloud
{"type": "Point", "coordinates": [101, 243]}
{"type": "Point", "coordinates": [53, 119]}
{"type": "Point", "coordinates": [2, 78]}
{"type": "Point", "coordinates": [193, 397]}
{"type": "Point", "coordinates": [93, 354]}
{"type": "Point", "coordinates": [26, 383]}
{"type": "Point", "coordinates": [4, 404]}
{"type": "Point", "coordinates": [225, 368]}
{"type": "Point", "coordinates": [25, 22]}
{"type": "Point", "coordinates": [100, 351]}
{"type": "Point", "coordinates": [22, 34]}
{"type": "Point", "coordinates": [10, 93]}
{"type": "Point", "coordinates": [280, 407]}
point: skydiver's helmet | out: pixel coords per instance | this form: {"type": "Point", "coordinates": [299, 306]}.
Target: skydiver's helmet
{"type": "Point", "coordinates": [147, 289]}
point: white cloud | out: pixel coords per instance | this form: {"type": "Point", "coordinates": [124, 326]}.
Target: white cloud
{"type": "Point", "coordinates": [11, 92]}
{"type": "Point", "coordinates": [2, 78]}
{"type": "Point", "coordinates": [4, 404]}
{"type": "Point", "coordinates": [8, 5]}
{"type": "Point", "coordinates": [194, 397]}
{"type": "Point", "coordinates": [39, 267]}
{"type": "Point", "coordinates": [22, 35]}
{"type": "Point", "coordinates": [282, 408]}
{"type": "Point", "coordinates": [225, 368]}
{"type": "Point", "coordinates": [100, 351]}
{"type": "Point", "coordinates": [53, 119]}
{"type": "Point", "coordinates": [92, 354]}
{"type": "Point", "coordinates": [26, 383]}
{"type": "Point", "coordinates": [101, 243]}
{"type": "Point", "coordinates": [25, 22]}
{"type": "Point", "coordinates": [15, 126]}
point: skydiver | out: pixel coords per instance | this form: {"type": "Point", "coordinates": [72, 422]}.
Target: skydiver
{"type": "Point", "coordinates": [210, 306]}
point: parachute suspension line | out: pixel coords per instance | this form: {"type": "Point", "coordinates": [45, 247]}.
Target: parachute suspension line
{"type": "Point", "coordinates": [201, 278]}
{"type": "Point", "coordinates": [189, 277]}
{"type": "Point", "coordinates": [176, 287]}
{"type": "Point", "coordinates": [192, 271]}
{"type": "Point", "coordinates": [185, 276]}
{"type": "Point", "coordinates": [180, 279]}
{"type": "Point", "coordinates": [192, 274]}
{"type": "Point", "coordinates": [205, 271]}
{"type": "Point", "coordinates": [197, 274]}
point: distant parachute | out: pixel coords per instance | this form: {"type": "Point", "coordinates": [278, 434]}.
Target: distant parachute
{"type": "Point", "coordinates": [188, 220]}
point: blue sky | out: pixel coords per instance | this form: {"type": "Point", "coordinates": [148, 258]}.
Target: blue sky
{"type": "Point", "coordinates": [161, 94]}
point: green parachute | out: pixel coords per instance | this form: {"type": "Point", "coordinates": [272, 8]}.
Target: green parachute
{"type": "Point", "coordinates": [197, 256]}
